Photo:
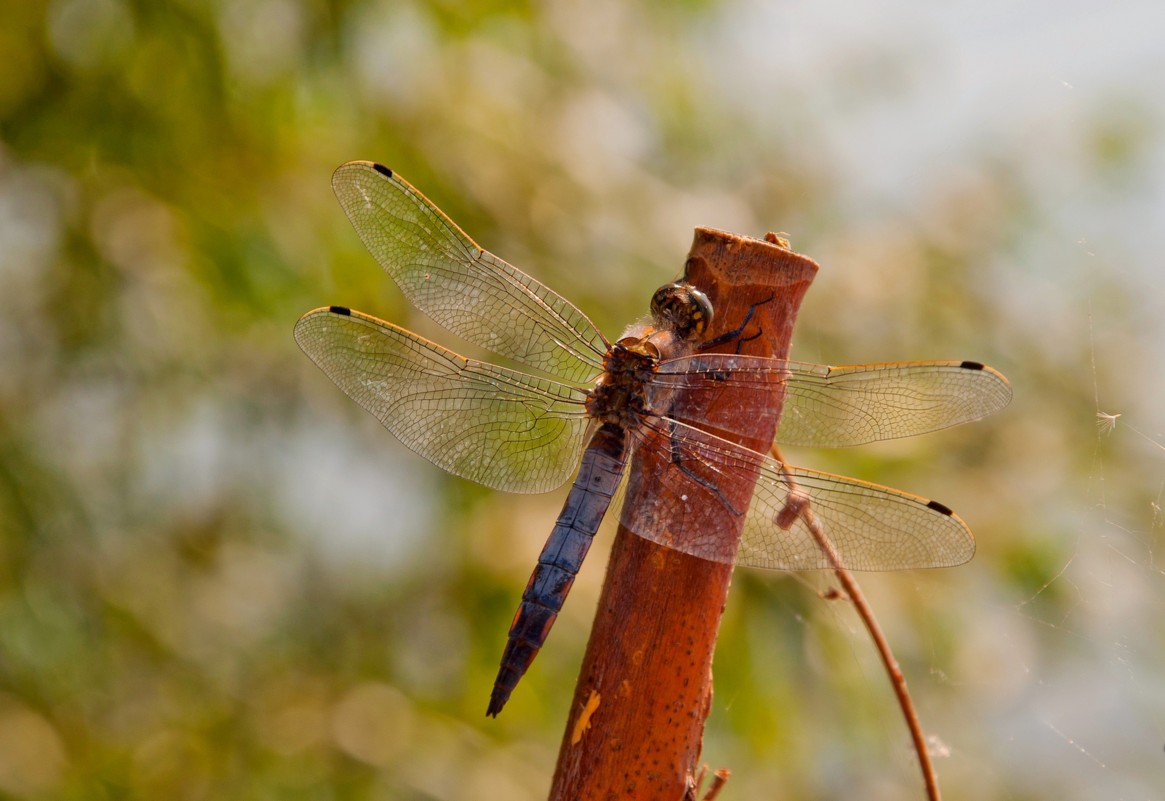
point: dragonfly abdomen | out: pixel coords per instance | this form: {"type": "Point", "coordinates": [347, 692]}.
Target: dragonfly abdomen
{"type": "Point", "coordinates": [599, 473]}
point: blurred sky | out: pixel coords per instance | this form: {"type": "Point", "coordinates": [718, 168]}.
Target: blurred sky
{"type": "Point", "coordinates": [219, 578]}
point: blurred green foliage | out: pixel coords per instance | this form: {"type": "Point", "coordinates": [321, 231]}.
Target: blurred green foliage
{"type": "Point", "coordinates": [219, 579]}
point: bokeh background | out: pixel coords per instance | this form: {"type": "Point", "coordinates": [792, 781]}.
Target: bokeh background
{"type": "Point", "coordinates": [221, 579]}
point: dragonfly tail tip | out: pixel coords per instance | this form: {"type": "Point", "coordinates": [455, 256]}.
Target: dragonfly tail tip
{"type": "Point", "coordinates": [497, 700]}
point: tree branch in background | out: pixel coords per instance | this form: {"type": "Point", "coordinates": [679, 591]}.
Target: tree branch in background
{"type": "Point", "coordinates": [798, 506]}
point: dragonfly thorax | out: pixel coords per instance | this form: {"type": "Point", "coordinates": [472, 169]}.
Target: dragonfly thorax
{"type": "Point", "coordinates": [620, 393]}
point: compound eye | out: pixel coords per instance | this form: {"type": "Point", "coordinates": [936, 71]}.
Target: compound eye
{"type": "Point", "coordinates": [681, 309]}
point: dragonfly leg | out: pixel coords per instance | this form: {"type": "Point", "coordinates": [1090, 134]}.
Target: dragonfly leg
{"type": "Point", "coordinates": [735, 334]}
{"type": "Point", "coordinates": [677, 459]}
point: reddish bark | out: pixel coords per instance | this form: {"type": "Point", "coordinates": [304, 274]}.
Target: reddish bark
{"type": "Point", "coordinates": [637, 721]}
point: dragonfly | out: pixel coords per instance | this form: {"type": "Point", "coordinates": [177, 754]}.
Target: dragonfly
{"type": "Point", "coordinates": [582, 405]}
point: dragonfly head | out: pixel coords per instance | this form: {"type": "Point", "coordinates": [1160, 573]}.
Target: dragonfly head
{"type": "Point", "coordinates": [683, 310]}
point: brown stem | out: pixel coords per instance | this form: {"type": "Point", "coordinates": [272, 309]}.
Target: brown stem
{"type": "Point", "coordinates": [645, 688]}
{"type": "Point", "coordinates": [800, 505]}
{"type": "Point", "coordinates": [719, 779]}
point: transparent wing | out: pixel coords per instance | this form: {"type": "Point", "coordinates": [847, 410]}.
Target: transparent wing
{"type": "Point", "coordinates": [832, 406]}
{"type": "Point", "coordinates": [872, 527]}
{"type": "Point", "coordinates": [498, 427]}
{"type": "Point", "coordinates": [466, 289]}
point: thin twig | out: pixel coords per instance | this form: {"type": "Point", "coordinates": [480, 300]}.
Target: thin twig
{"type": "Point", "coordinates": [719, 779]}
{"type": "Point", "coordinates": [798, 506]}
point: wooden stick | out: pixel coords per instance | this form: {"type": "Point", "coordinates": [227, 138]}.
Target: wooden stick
{"type": "Point", "coordinates": [645, 687]}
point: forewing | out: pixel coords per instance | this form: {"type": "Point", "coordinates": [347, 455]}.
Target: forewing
{"type": "Point", "coordinates": [831, 406]}
{"type": "Point", "coordinates": [870, 526]}
{"type": "Point", "coordinates": [839, 406]}
{"type": "Point", "coordinates": [466, 289]}
{"type": "Point", "coordinates": [498, 427]}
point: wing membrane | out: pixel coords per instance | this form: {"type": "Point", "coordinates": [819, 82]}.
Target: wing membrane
{"type": "Point", "coordinates": [498, 427]}
{"type": "Point", "coordinates": [833, 406]}
{"type": "Point", "coordinates": [872, 527]}
{"type": "Point", "coordinates": [466, 289]}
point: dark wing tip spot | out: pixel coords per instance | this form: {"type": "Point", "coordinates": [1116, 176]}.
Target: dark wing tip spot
{"type": "Point", "coordinates": [340, 310]}
{"type": "Point", "coordinates": [971, 365]}
{"type": "Point", "coordinates": [940, 508]}
{"type": "Point", "coordinates": [385, 171]}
